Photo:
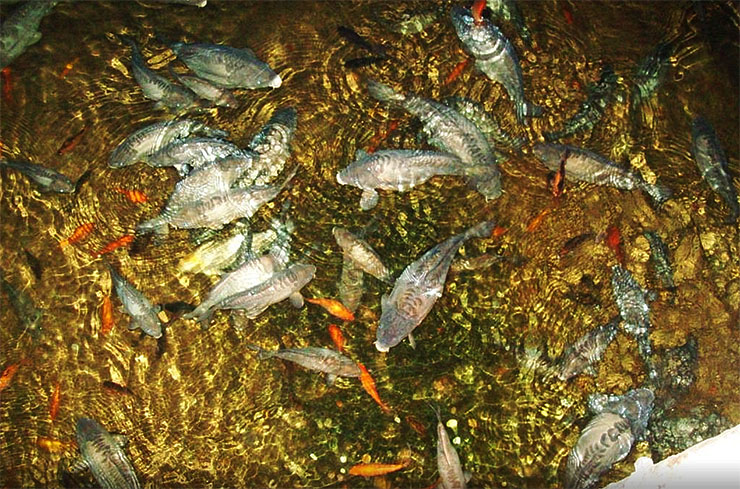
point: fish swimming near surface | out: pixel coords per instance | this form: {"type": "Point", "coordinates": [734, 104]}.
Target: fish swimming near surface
{"type": "Point", "coordinates": [337, 337]}
{"type": "Point", "coordinates": [353, 37]}
{"type": "Point", "coordinates": [20, 29]}
{"type": "Point", "coordinates": [375, 469]}
{"type": "Point", "coordinates": [635, 406]}
{"type": "Point", "coordinates": [448, 461]}
{"type": "Point", "coordinates": [333, 307]}
{"type": "Point", "coordinates": [148, 140]}
{"type": "Point", "coordinates": [660, 259]}
{"type": "Point", "coordinates": [494, 56]}
{"type": "Point", "coordinates": [361, 254]}
{"type": "Point", "coordinates": [587, 350]}
{"type": "Point", "coordinates": [712, 162]}
{"type": "Point", "coordinates": [587, 166]}
{"type": "Point", "coordinates": [49, 180]}
{"type": "Point", "coordinates": [102, 453]}
{"type": "Point", "coordinates": [71, 142]}
{"type": "Point", "coordinates": [332, 363]}
{"type": "Point", "coordinates": [188, 154]}
{"type": "Point", "coordinates": [221, 97]}
{"type": "Point", "coordinates": [213, 256]}
{"type": "Point", "coordinates": [418, 288]}
{"type": "Point", "coordinates": [143, 313]}
{"type": "Point", "coordinates": [29, 315]}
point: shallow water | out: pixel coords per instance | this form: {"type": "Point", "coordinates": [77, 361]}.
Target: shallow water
{"type": "Point", "coordinates": [202, 410]}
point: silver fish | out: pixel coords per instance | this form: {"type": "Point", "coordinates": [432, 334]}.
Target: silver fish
{"type": "Point", "coordinates": [605, 440]}
{"type": "Point", "coordinates": [494, 56]}
{"type": "Point", "coordinates": [587, 350]}
{"type": "Point", "coordinates": [635, 406]}
{"type": "Point", "coordinates": [102, 454]}
{"type": "Point", "coordinates": [28, 314]}
{"type": "Point", "coordinates": [21, 29]}
{"type": "Point", "coordinates": [220, 97]}
{"type": "Point", "coordinates": [212, 256]}
{"type": "Point", "coordinates": [186, 154]}
{"type": "Point", "coordinates": [49, 180]}
{"type": "Point", "coordinates": [448, 461]}
{"type": "Point", "coordinates": [477, 114]}
{"type": "Point", "coordinates": [148, 140]}
{"type": "Point", "coordinates": [712, 163]}
{"type": "Point", "coordinates": [272, 144]}
{"type": "Point", "coordinates": [331, 362]}
{"type": "Point", "coordinates": [284, 284]}
{"type": "Point", "coordinates": [587, 166]}
{"type": "Point", "coordinates": [226, 66]}
{"type": "Point", "coordinates": [649, 74]}
{"type": "Point", "coordinates": [660, 259]}
{"type": "Point", "coordinates": [143, 313]}
{"type": "Point", "coordinates": [419, 287]}
{"type": "Point", "coordinates": [448, 131]}
{"type": "Point", "coordinates": [360, 253]}
{"type": "Point", "coordinates": [402, 170]}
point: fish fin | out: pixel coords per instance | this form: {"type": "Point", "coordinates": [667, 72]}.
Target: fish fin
{"type": "Point", "coordinates": [183, 169]}
{"type": "Point", "coordinates": [489, 186]}
{"type": "Point", "coordinates": [238, 320]}
{"type": "Point", "coordinates": [369, 199]}
{"type": "Point", "coordinates": [383, 92]}
{"type": "Point", "coordinates": [591, 370]}
{"type": "Point", "coordinates": [296, 299]}
{"type": "Point", "coordinates": [132, 325]}
{"type": "Point", "coordinates": [157, 225]}
{"type": "Point", "coordinates": [467, 475]}
{"type": "Point", "coordinates": [78, 466]}
{"type": "Point", "coordinates": [481, 230]}
{"type": "Point", "coordinates": [121, 440]}
{"type": "Point", "coordinates": [261, 352]}
{"type": "Point", "coordinates": [659, 193]}
{"type": "Point", "coordinates": [412, 341]}
{"type": "Point", "coordinates": [360, 154]}
{"type": "Point", "coordinates": [330, 378]}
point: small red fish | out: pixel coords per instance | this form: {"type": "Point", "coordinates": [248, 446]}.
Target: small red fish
{"type": "Point", "coordinates": [416, 425]}
{"type": "Point", "coordinates": [535, 223]}
{"type": "Point", "coordinates": [368, 383]}
{"type": "Point", "coordinates": [114, 245]}
{"type": "Point", "coordinates": [7, 376]}
{"type": "Point", "coordinates": [54, 402]}
{"type": "Point", "coordinates": [135, 196]}
{"type": "Point", "coordinates": [477, 11]}
{"type": "Point", "coordinates": [7, 76]}
{"type": "Point", "coordinates": [613, 240]}
{"type": "Point", "coordinates": [71, 142]}
{"type": "Point", "coordinates": [337, 337]}
{"type": "Point", "coordinates": [498, 231]}
{"type": "Point", "coordinates": [113, 388]}
{"type": "Point", "coordinates": [374, 470]}
{"type": "Point", "coordinates": [558, 180]}
{"type": "Point", "coordinates": [55, 446]}
{"type": "Point", "coordinates": [334, 307]}
{"type": "Point", "coordinates": [573, 243]}
{"type": "Point", "coordinates": [68, 67]}
{"type": "Point", "coordinates": [106, 316]}
{"type": "Point", "coordinates": [80, 233]}
{"type": "Point", "coordinates": [381, 136]}
{"type": "Point", "coordinates": [456, 71]}
{"type": "Point", "coordinates": [567, 14]}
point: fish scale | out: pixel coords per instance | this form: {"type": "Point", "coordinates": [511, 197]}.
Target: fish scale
{"type": "Point", "coordinates": [588, 349]}
{"type": "Point", "coordinates": [104, 457]}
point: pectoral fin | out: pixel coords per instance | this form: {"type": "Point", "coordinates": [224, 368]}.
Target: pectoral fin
{"type": "Point", "coordinates": [412, 341]}
{"type": "Point", "coordinates": [296, 299]}
{"type": "Point", "coordinates": [330, 378]}
{"type": "Point", "coordinates": [369, 199]}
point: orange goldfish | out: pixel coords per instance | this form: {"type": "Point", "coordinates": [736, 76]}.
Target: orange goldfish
{"type": "Point", "coordinates": [122, 241]}
{"type": "Point", "coordinates": [416, 425]}
{"type": "Point", "coordinates": [614, 241]}
{"type": "Point", "coordinates": [54, 403]}
{"type": "Point", "coordinates": [71, 142]}
{"type": "Point", "coordinates": [78, 234]}
{"type": "Point", "coordinates": [477, 10]}
{"type": "Point", "coordinates": [6, 75]}
{"type": "Point", "coordinates": [558, 180]}
{"type": "Point", "coordinates": [337, 337]}
{"type": "Point", "coordinates": [135, 196]}
{"type": "Point", "coordinates": [567, 14]}
{"type": "Point", "coordinates": [334, 307]}
{"type": "Point", "coordinates": [54, 446]}
{"type": "Point", "coordinates": [68, 67]}
{"type": "Point", "coordinates": [106, 316]}
{"type": "Point", "coordinates": [7, 376]}
{"type": "Point", "coordinates": [535, 223]}
{"type": "Point", "coordinates": [456, 71]}
{"type": "Point", "coordinates": [498, 231]}
{"type": "Point", "coordinates": [368, 383]}
{"type": "Point", "coordinates": [373, 470]}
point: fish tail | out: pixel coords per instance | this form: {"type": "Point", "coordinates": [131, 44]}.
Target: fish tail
{"type": "Point", "coordinates": [383, 92]}
{"type": "Point", "coordinates": [659, 193]}
{"type": "Point", "coordinates": [526, 109]}
{"type": "Point", "coordinates": [151, 225]}
{"type": "Point", "coordinates": [481, 230]}
{"type": "Point", "coordinates": [261, 352]}
{"type": "Point", "coordinates": [487, 184]}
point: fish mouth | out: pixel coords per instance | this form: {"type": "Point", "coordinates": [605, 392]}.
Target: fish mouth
{"type": "Point", "coordinates": [275, 81]}
{"type": "Point", "coordinates": [340, 179]}
{"type": "Point", "coordinates": [381, 347]}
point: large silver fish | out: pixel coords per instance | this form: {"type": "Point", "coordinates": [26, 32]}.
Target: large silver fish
{"type": "Point", "coordinates": [148, 140]}
{"type": "Point", "coordinates": [204, 89]}
{"type": "Point", "coordinates": [331, 362]}
{"type": "Point", "coordinates": [361, 254]}
{"type": "Point", "coordinates": [21, 29]}
{"type": "Point", "coordinates": [186, 154]}
{"type": "Point", "coordinates": [49, 180]}
{"type": "Point", "coordinates": [587, 166]}
{"type": "Point", "coordinates": [103, 454]}
{"type": "Point", "coordinates": [402, 170]}
{"type": "Point", "coordinates": [712, 163]}
{"type": "Point", "coordinates": [635, 406]}
{"type": "Point", "coordinates": [448, 461]}
{"type": "Point", "coordinates": [494, 56]}
{"type": "Point", "coordinates": [419, 287]}
{"type": "Point", "coordinates": [143, 313]}
{"type": "Point", "coordinates": [587, 350]}
{"type": "Point", "coordinates": [448, 131]}
{"type": "Point", "coordinates": [272, 144]}
{"type": "Point", "coordinates": [226, 66]}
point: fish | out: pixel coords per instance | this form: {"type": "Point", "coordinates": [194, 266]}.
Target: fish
{"type": "Point", "coordinates": [573, 243]}
{"type": "Point", "coordinates": [712, 163]}
{"type": "Point", "coordinates": [495, 56]}
{"type": "Point", "coordinates": [6, 76]}
{"type": "Point", "coordinates": [332, 363]}
{"type": "Point", "coordinates": [150, 139]}
{"type": "Point", "coordinates": [375, 469]}
{"type": "Point", "coordinates": [103, 454]}
{"type": "Point", "coordinates": [650, 74]}
{"type": "Point", "coordinates": [124, 240]}
{"type": "Point", "coordinates": [418, 288]}
{"type": "Point", "coordinates": [587, 166]}
{"type": "Point", "coordinates": [402, 170]}
{"type": "Point", "coordinates": [49, 180]}
{"type": "Point", "coordinates": [477, 10]}
{"type": "Point", "coordinates": [587, 350]}
{"type": "Point", "coordinates": [284, 284]}
{"type": "Point", "coordinates": [135, 196]}
{"type": "Point", "coordinates": [188, 154]}
{"type": "Point", "coordinates": [557, 183]}
{"type": "Point", "coordinates": [221, 97]}
{"type": "Point", "coordinates": [353, 37]}
{"type": "Point", "coordinates": [272, 145]}
{"type": "Point", "coordinates": [68, 68]}
{"type": "Point", "coordinates": [20, 29]}
{"type": "Point", "coordinates": [333, 307]}
{"type": "Point", "coordinates": [476, 263]}
{"type": "Point", "coordinates": [353, 63]}
{"type": "Point", "coordinates": [613, 240]}
{"type": "Point", "coordinates": [114, 388]}
{"type": "Point", "coordinates": [368, 383]}
{"type": "Point", "coordinates": [56, 397]}
{"type": "Point", "coordinates": [226, 66]}
{"type": "Point", "coordinates": [412, 22]}
{"type": "Point", "coordinates": [508, 10]}
{"type": "Point", "coordinates": [54, 446]}
{"type": "Point", "coordinates": [337, 337]}
{"type": "Point", "coordinates": [34, 264]}
{"type": "Point", "coordinates": [82, 180]}
{"type": "Point", "coordinates": [29, 315]}
{"type": "Point", "coordinates": [7, 376]}
{"type": "Point", "coordinates": [660, 259]}
{"type": "Point", "coordinates": [156, 87]}
{"type": "Point", "coordinates": [416, 425]}
{"type": "Point", "coordinates": [106, 316]}
{"type": "Point", "coordinates": [71, 142]}
{"type": "Point", "coordinates": [448, 461]}
{"type": "Point", "coordinates": [599, 96]}
{"type": "Point", "coordinates": [361, 254]}
{"type": "Point", "coordinates": [143, 313]}
{"type": "Point", "coordinates": [214, 256]}
{"type": "Point", "coordinates": [456, 71]}
{"type": "Point", "coordinates": [485, 122]}
{"type": "Point", "coordinates": [450, 132]}
{"type": "Point", "coordinates": [605, 440]}
{"type": "Point", "coordinates": [537, 220]}
{"type": "Point", "coordinates": [635, 406]}
{"type": "Point", "coordinates": [351, 284]}
{"type": "Point", "coordinates": [277, 240]}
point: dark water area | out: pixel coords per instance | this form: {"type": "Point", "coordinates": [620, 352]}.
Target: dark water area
{"type": "Point", "coordinates": [201, 410]}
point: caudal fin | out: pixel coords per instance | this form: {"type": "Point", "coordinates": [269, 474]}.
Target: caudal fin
{"type": "Point", "coordinates": [526, 109]}
{"type": "Point", "coordinates": [659, 193]}
{"type": "Point", "coordinates": [481, 230]}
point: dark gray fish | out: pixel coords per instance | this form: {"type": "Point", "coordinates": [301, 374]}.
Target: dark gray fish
{"type": "Point", "coordinates": [448, 131]}
{"type": "Point", "coordinates": [587, 350]}
{"type": "Point", "coordinates": [148, 140]}
{"type": "Point", "coordinates": [485, 122]}
{"type": "Point", "coordinates": [448, 461]}
{"type": "Point", "coordinates": [189, 153]}
{"type": "Point", "coordinates": [29, 315]}
{"type": "Point", "coordinates": [419, 287]}
{"type": "Point", "coordinates": [605, 440]}
{"type": "Point", "coordinates": [272, 144]}
{"type": "Point", "coordinates": [331, 362]}
{"type": "Point", "coordinates": [361, 254]}
{"type": "Point", "coordinates": [49, 180]}
{"type": "Point", "coordinates": [508, 10]}
{"type": "Point", "coordinates": [103, 454]}
{"type": "Point", "coordinates": [353, 37]}
{"type": "Point", "coordinates": [494, 56]}
{"type": "Point", "coordinates": [143, 313]}
{"type": "Point", "coordinates": [226, 66]}
{"type": "Point", "coordinates": [351, 284]}
{"type": "Point", "coordinates": [587, 166]}
{"type": "Point", "coordinates": [649, 74]}
{"type": "Point", "coordinates": [635, 406]}
{"type": "Point", "coordinates": [712, 163]}
{"type": "Point", "coordinates": [353, 63]}
{"type": "Point", "coordinates": [204, 89]}
{"type": "Point", "coordinates": [600, 95]}
{"type": "Point", "coordinates": [21, 29]}
{"type": "Point", "coordinates": [155, 86]}
{"type": "Point", "coordinates": [33, 263]}
{"type": "Point", "coordinates": [660, 259]}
